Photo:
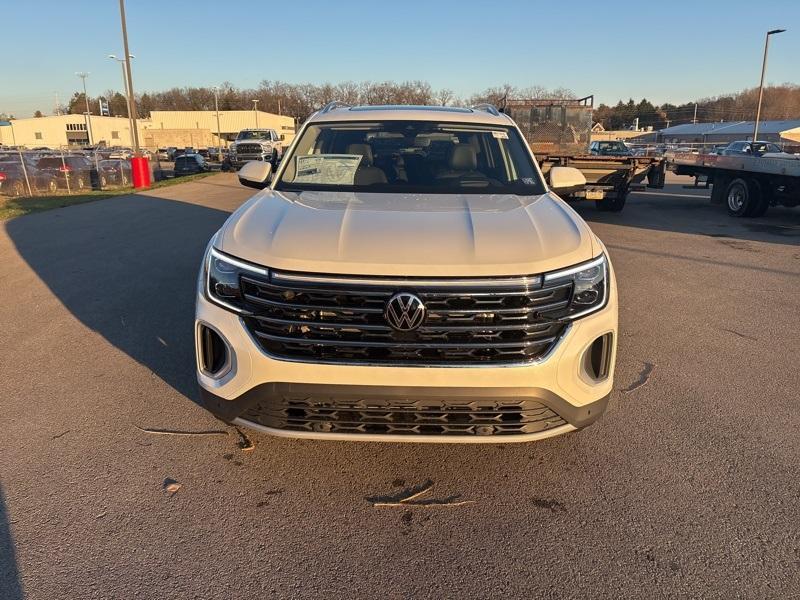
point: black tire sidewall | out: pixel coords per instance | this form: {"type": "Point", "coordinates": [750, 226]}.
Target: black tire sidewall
{"type": "Point", "coordinates": [747, 203]}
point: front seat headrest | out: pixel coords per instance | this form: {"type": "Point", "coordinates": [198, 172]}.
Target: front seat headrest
{"type": "Point", "coordinates": [365, 150]}
{"type": "Point", "coordinates": [463, 158]}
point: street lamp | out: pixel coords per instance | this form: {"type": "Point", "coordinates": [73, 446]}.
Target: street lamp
{"type": "Point", "coordinates": [121, 62]}
{"type": "Point", "coordinates": [255, 111]}
{"type": "Point", "coordinates": [761, 86]}
{"type": "Point", "coordinates": [140, 168]}
{"type": "Point", "coordinates": [83, 77]}
{"type": "Point", "coordinates": [219, 130]}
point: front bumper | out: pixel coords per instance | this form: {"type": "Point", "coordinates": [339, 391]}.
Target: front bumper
{"type": "Point", "coordinates": [558, 383]}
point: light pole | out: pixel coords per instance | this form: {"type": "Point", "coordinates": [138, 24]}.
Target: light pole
{"type": "Point", "coordinates": [121, 62]}
{"type": "Point", "coordinates": [140, 168]}
{"type": "Point", "coordinates": [761, 85]}
{"type": "Point", "coordinates": [83, 77]}
{"type": "Point", "coordinates": [255, 111]}
{"type": "Point", "coordinates": [219, 130]}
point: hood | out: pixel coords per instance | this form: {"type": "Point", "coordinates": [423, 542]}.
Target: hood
{"type": "Point", "coordinates": [407, 234]}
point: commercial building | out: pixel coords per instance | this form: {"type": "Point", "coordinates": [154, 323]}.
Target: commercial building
{"type": "Point", "coordinates": [724, 132]}
{"type": "Point", "coordinates": [196, 128]}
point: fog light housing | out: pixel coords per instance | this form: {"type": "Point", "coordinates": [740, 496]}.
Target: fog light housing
{"type": "Point", "coordinates": [213, 352]}
{"type": "Point", "coordinates": [597, 357]}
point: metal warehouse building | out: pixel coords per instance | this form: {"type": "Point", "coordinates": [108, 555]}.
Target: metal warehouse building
{"type": "Point", "coordinates": [720, 133]}
{"type": "Point", "coordinates": [197, 129]}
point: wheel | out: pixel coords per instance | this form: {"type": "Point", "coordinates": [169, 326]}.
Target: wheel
{"type": "Point", "coordinates": [52, 186]}
{"type": "Point", "coordinates": [18, 189]}
{"type": "Point", "coordinates": [274, 159]}
{"type": "Point", "coordinates": [743, 196]}
{"type": "Point", "coordinates": [79, 183]}
{"type": "Point", "coordinates": [103, 181]}
{"type": "Point", "coordinates": [613, 204]}
{"type": "Point", "coordinates": [124, 180]}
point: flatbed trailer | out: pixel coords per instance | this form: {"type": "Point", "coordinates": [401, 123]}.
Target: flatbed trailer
{"type": "Point", "coordinates": [558, 132]}
{"type": "Point", "coordinates": [747, 185]}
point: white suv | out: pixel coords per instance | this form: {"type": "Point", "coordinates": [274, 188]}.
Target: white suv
{"type": "Point", "coordinates": [407, 275]}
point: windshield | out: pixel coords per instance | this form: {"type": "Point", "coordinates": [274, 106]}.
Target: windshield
{"type": "Point", "coordinates": [411, 157]}
{"type": "Point", "coordinates": [762, 147]}
{"type": "Point", "coordinates": [612, 147]}
{"type": "Point", "coordinates": [253, 135]}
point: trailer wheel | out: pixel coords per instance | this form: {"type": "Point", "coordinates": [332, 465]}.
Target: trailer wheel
{"type": "Point", "coordinates": [615, 204]}
{"type": "Point", "coordinates": [742, 197]}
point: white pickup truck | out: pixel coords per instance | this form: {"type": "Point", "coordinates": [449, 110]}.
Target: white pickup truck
{"type": "Point", "coordinates": [256, 144]}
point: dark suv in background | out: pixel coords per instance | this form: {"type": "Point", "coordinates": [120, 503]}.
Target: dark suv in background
{"type": "Point", "coordinates": [189, 164]}
{"type": "Point", "coordinates": [74, 172]}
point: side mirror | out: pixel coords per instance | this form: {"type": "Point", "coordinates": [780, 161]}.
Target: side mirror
{"type": "Point", "coordinates": [283, 137]}
{"type": "Point", "coordinates": [566, 180]}
{"type": "Point", "coordinates": [255, 174]}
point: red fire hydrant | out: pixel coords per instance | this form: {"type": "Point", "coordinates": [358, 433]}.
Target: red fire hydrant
{"type": "Point", "coordinates": [140, 169]}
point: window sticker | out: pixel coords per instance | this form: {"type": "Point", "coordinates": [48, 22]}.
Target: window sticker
{"type": "Point", "coordinates": [500, 135]}
{"type": "Point", "coordinates": [327, 169]}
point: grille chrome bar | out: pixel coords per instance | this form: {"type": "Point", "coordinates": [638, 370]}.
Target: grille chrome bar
{"type": "Point", "coordinates": [341, 319]}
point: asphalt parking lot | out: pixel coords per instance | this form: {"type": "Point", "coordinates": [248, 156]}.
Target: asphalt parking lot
{"type": "Point", "coordinates": [688, 486]}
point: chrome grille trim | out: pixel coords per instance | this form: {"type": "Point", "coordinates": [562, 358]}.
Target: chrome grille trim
{"type": "Point", "coordinates": [321, 320]}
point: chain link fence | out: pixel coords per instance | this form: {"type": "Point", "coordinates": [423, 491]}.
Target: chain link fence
{"type": "Point", "coordinates": [38, 171]}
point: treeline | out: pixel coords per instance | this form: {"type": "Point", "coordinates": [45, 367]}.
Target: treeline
{"type": "Point", "coordinates": [300, 100]}
{"type": "Point", "coordinates": [780, 102]}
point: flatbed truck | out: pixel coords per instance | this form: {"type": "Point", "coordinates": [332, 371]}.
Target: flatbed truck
{"type": "Point", "coordinates": [747, 185]}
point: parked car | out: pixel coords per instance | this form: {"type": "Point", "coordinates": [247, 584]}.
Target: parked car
{"type": "Point", "coordinates": [189, 164]}
{"type": "Point", "coordinates": [764, 149]}
{"type": "Point", "coordinates": [377, 290]}
{"type": "Point", "coordinates": [74, 172]}
{"type": "Point", "coordinates": [114, 172]}
{"type": "Point", "coordinates": [12, 180]}
{"type": "Point", "coordinates": [609, 148]}
{"type": "Point", "coordinates": [121, 153]}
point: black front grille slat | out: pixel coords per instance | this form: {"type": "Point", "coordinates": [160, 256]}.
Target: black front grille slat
{"type": "Point", "coordinates": [334, 322]}
{"type": "Point", "coordinates": [403, 416]}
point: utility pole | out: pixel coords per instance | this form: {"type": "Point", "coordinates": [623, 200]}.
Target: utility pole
{"type": "Point", "coordinates": [83, 77]}
{"type": "Point", "coordinates": [255, 111]}
{"type": "Point", "coordinates": [219, 130]}
{"type": "Point", "coordinates": [131, 99]}
{"type": "Point", "coordinates": [57, 110]}
{"type": "Point", "coordinates": [761, 85]}
{"type": "Point", "coordinates": [694, 118]}
{"type": "Point", "coordinates": [121, 62]}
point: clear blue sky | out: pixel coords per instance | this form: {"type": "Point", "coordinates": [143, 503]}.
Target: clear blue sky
{"type": "Point", "coordinates": [669, 51]}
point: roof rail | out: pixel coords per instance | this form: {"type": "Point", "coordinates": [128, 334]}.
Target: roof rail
{"type": "Point", "coordinates": [332, 105]}
{"type": "Point", "coordinates": [490, 108]}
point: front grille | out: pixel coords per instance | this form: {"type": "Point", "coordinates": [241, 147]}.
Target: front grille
{"type": "Point", "coordinates": [326, 320]}
{"type": "Point", "coordinates": [248, 149]}
{"type": "Point", "coordinates": [403, 416]}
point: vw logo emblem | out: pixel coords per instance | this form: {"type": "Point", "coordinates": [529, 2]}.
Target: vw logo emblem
{"type": "Point", "coordinates": [404, 312]}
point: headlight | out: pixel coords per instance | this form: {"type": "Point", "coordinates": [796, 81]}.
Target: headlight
{"type": "Point", "coordinates": [223, 275]}
{"type": "Point", "coordinates": [589, 287]}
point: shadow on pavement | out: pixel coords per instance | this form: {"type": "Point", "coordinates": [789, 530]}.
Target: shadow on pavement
{"type": "Point", "coordinates": [10, 584]}
{"type": "Point", "coordinates": [127, 268]}
{"type": "Point", "coordinates": [674, 210]}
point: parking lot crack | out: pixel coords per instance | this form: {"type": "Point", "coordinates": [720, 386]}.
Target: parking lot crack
{"type": "Point", "coordinates": [409, 496]}
{"type": "Point", "coordinates": [180, 432]}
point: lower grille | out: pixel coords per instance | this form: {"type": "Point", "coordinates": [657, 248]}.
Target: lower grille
{"type": "Point", "coordinates": [404, 416]}
{"type": "Point", "coordinates": [248, 149]}
{"type": "Point", "coordinates": [344, 322]}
